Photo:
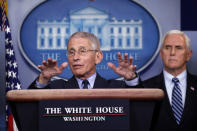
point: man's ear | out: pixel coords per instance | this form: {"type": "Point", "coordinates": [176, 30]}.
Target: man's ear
{"type": "Point", "coordinates": [189, 55]}
{"type": "Point", "coordinates": [99, 57]}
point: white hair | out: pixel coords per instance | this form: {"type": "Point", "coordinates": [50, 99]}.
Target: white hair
{"type": "Point", "coordinates": [187, 39]}
{"type": "Point", "coordinates": [94, 40]}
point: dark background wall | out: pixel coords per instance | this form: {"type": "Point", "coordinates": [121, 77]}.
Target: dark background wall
{"type": "Point", "coordinates": [188, 15]}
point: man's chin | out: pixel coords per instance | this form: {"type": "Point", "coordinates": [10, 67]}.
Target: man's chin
{"type": "Point", "coordinates": [79, 75]}
{"type": "Point", "coordinates": [172, 65]}
{"type": "Point", "coordinates": [173, 68]}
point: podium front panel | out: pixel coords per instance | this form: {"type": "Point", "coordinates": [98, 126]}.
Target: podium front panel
{"type": "Point", "coordinates": [74, 110]}
{"type": "Point", "coordinates": [87, 115]}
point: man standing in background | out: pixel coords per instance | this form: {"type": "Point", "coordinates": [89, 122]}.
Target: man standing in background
{"type": "Point", "coordinates": [178, 110]}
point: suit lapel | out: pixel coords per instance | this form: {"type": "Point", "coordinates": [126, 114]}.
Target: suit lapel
{"type": "Point", "coordinates": [100, 82]}
{"type": "Point", "coordinates": [72, 83]}
{"type": "Point", "coordinates": [165, 103]}
{"type": "Point", "coordinates": [190, 96]}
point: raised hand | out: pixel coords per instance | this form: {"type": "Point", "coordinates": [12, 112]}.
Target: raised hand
{"type": "Point", "coordinates": [125, 67]}
{"type": "Point", "coordinates": [49, 69]}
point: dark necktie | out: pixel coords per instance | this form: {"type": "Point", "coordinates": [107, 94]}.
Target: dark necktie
{"type": "Point", "coordinates": [85, 84]}
{"type": "Point", "coordinates": [177, 105]}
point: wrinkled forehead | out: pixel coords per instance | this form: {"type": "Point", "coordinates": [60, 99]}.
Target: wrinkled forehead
{"type": "Point", "coordinates": [174, 39]}
{"type": "Point", "coordinates": [76, 43]}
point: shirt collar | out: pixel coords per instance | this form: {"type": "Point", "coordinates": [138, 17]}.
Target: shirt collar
{"type": "Point", "coordinates": [182, 76]}
{"type": "Point", "coordinates": [90, 79]}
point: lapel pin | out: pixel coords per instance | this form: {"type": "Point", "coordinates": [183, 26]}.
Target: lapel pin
{"type": "Point", "coordinates": [192, 88]}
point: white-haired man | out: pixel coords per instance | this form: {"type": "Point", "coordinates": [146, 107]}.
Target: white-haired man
{"type": "Point", "coordinates": [178, 110]}
{"type": "Point", "coordinates": [83, 55]}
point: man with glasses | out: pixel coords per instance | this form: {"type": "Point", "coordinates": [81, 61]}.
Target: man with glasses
{"type": "Point", "coordinates": [83, 55]}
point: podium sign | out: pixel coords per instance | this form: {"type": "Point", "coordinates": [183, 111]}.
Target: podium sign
{"type": "Point", "coordinates": [88, 115]}
{"type": "Point", "coordinates": [84, 110]}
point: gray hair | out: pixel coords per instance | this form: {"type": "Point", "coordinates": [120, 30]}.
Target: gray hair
{"type": "Point", "coordinates": [187, 39]}
{"type": "Point", "coordinates": [94, 40]}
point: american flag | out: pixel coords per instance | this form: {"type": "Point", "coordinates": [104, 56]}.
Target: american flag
{"type": "Point", "coordinates": [12, 80]}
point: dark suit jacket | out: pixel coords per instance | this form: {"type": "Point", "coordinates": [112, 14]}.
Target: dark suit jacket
{"type": "Point", "coordinates": [72, 84]}
{"type": "Point", "coordinates": [163, 118]}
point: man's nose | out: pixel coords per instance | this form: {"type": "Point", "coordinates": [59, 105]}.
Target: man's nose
{"type": "Point", "coordinates": [76, 56]}
{"type": "Point", "coordinates": [173, 51]}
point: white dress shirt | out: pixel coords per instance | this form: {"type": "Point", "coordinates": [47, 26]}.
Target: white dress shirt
{"type": "Point", "coordinates": [170, 85]}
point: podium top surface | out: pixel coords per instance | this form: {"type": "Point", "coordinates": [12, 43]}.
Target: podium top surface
{"type": "Point", "coordinates": [66, 94]}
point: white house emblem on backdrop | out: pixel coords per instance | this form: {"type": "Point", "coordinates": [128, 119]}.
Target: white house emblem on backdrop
{"type": "Point", "coordinates": [128, 28]}
{"type": "Point", "coordinates": [112, 33]}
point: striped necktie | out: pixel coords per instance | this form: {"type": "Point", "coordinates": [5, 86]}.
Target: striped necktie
{"type": "Point", "coordinates": [177, 105]}
{"type": "Point", "coordinates": [85, 84]}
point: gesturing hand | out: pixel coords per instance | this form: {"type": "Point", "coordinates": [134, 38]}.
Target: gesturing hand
{"type": "Point", "coordinates": [125, 67]}
{"type": "Point", "coordinates": [49, 69]}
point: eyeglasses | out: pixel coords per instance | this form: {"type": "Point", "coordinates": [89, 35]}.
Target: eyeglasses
{"type": "Point", "coordinates": [81, 51]}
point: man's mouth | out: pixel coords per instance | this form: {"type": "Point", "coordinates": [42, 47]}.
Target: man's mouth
{"type": "Point", "coordinates": [77, 66]}
{"type": "Point", "coordinates": [172, 60]}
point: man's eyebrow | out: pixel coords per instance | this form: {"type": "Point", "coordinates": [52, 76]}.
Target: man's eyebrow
{"type": "Point", "coordinates": [178, 46]}
{"type": "Point", "coordinates": [71, 49]}
{"type": "Point", "coordinates": [82, 47]}
{"type": "Point", "coordinates": [167, 45]}
{"type": "Point", "coordinates": [78, 48]}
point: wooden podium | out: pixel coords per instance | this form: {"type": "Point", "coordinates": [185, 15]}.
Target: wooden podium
{"type": "Point", "coordinates": [25, 106]}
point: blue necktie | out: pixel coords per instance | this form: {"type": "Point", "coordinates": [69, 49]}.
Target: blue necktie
{"type": "Point", "coordinates": [177, 105]}
{"type": "Point", "coordinates": [85, 84]}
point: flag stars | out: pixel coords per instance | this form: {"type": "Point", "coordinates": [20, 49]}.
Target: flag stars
{"type": "Point", "coordinates": [14, 74]}
{"type": "Point", "coordinates": [12, 81]}
{"type": "Point", "coordinates": [7, 84]}
{"type": "Point", "coordinates": [9, 74]}
{"type": "Point", "coordinates": [7, 51]}
{"type": "Point", "coordinates": [10, 63]}
{"type": "Point", "coordinates": [18, 86]}
{"type": "Point", "coordinates": [12, 85]}
{"type": "Point", "coordinates": [15, 64]}
{"type": "Point", "coordinates": [7, 41]}
{"type": "Point", "coordinates": [10, 52]}
{"type": "Point", "coordinates": [7, 30]}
